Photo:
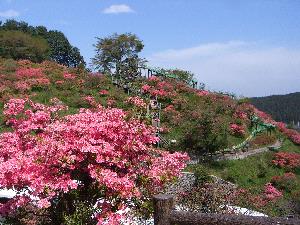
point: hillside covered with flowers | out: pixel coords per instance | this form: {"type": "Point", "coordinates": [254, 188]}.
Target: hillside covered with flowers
{"type": "Point", "coordinates": [74, 144]}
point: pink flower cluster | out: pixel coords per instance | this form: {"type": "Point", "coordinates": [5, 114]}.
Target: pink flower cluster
{"type": "Point", "coordinates": [237, 129]}
{"type": "Point", "coordinates": [44, 155]}
{"type": "Point", "coordinates": [146, 88]}
{"type": "Point", "coordinates": [293, 135]}
{"type": "Point", "coordinates": [30, 77]}
{"type": "Point", "coordinates": [289, 160]}
{"type": "Point", "coordinates": [29, 73]}
{"type": "Point", "coordinates": [285, 181]}
{"type": "Point", "coordinates": [137, 101]}
{"type": "Point", "coordinates": [69, 76]}
{"type": "Point", "coordinates": [271, 193]}
{"type": "Point", "coordinates": [103, 92]}
{"type": "Point", "coordinates": [59, 82]}
{"type": "Point", "coordinates": [202, 93]}
{"type": "Point", "coordinates": [156, 87]}
{"type": "Point", "coordinates": [154, 79]}
{"type": "Point", "coordinates": [90, 99]}
{"type": "Point", "coordinates": [240, 115]}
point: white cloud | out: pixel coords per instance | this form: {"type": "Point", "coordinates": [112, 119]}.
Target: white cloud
{"type": "Point", "coordinates": [240, 67]}
{"type": "Point", "coordinates": [116, 9]}
{"type": "Point", "coordinates": [9, 13]}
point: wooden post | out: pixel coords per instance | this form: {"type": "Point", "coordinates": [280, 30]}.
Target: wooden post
{"type": "Point", "coordinates": [163, 204]}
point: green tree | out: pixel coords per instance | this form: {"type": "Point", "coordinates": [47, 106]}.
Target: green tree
{"type": "Point", "coordinates": [119, 54]}
{"type": "Point", "coordinates": [182, 75]}
{"type": "Point", "coordinates": [207, 135]}
{"type": "Point", "coordinates": [61, 51]}
{"type": "Point", "coordinates": [18, 45]}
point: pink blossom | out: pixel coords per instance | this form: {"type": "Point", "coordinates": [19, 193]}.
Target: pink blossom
{"type": "Point", "coordinates": [69, 76]}
{"type": "Point", "coordinates": [237, 129]}
{"type": "Point", "coordinates": [45, 153]}
{"type": "Point", "coordinates": [137, 101]}
{"type": "Point", "coordinates": [103, 92]}
{"type": "Point", "coordinates": [271, 193]}
{"type": "Point", "coordinates": [59, 82]}
{"type": "Point", "coordinates": [202, 93]}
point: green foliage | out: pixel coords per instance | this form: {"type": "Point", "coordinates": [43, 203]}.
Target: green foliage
{"type": "Point", "coordinates": [62, 51]}
{"type": "Point", "coordinates": [118, 53]}
{"type": "Point", "coordinates": [207, 135]}
{"type": "Point", "coordinates": [82, 215]}
{"type": "Point", "coordinates": [201, 175]}
{"type": "Point", "coordinates": [10, 65]}
{"type": "Point", "coordinates": [183, 75]}
{"type": "Point", "coordinates": [18, 45]}
{"type": "Point", "coordinates": [37, 44]}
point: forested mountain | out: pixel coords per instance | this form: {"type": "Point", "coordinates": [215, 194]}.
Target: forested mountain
{"type": "Point", "coordinates": [285, 108]}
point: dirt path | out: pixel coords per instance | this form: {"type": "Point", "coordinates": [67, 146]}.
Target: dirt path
{"type": "Point", "coordinates": [240, 154]}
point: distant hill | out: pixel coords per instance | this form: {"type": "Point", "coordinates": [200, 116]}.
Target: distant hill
{"type": "Point", "coordinates": [285, 108]}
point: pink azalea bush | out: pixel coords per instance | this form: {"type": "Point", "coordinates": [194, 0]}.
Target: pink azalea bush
{"type": "Point", "coordinates": [288, 160]}
{"type": "Point", "coordinates": [285, 182]}
{"type": "Point", "coordinates": [156, 87]}
{"type": "Point", "coordinates": [45, 157]}
{"type": "Point", "coordinates": [29, 73]}
{"type": "Point", "coordinates": [137, 101]}
{"type": "Point", "coordinates": [236, 129]}
{"type": "Point", "coordinates": [292, 134]}
{"type": "Point", "coordinates": [90, 100]}
{"type": "Point", "coordinates": [262, 201]}
{"type": "Point", "coordinates": [69, 76]}
{"type": "Point", "coordinates": [103, 92]}
{"type": "Point", "coordinates": [202, 93]}
{"type": "Point", "coordinates": [271, 193]}
{"type": "Point", "coordinates": [240, 115]}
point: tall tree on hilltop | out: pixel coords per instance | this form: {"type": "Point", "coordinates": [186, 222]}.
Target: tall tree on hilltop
{"type": "Point", "coordinates": [61, 51]}
{"type": "Point", "coordinates": [119, 54]}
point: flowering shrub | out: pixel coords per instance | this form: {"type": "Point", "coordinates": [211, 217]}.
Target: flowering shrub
{"type": "Point", "coordinates": [245, 198]}
{"type": "Point", "coordinates": [59, 82]}
{"type": "Point", "coordinates": [90, 99]}
{"type": "Point", "coordinates": [137, 101]}
{"type": "Point", "coordinates": [171, 114]}
{"type": "Point", "coordinates": [236, 129]}
{"type": "Point", "coordinates": [271, 193]}
{"type": "Point", "coordinates": [108, 159]}
{"type": "Point", "coordinates": [103, 92]}
{"type": "Point", "coordinates": [240, 115]}
{"type": "Point", "coordinates": [22, 86]}
{"type": "Point", "coordinates": [29, 73]}
{"type": "Point", "coordinates": [202, 93]}
{"type": "Point", "coordinates": [287, 160]}
{"type": "Point", "coordinates": [146, 88]}
{"type": "Point", "coordinates": [285, 182]}
{"type": "Point", "coordinates": [111, 102]}
{"type": "Point", "coordinates": [153, 79]}
{"type": "Point", "coordinates": [156, 87]}
{"type": "Point", "coordinates": [293, 135]}
{"type": "Point", "coordinates": [69, 76]}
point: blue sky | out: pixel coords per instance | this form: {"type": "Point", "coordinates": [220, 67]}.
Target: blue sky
{"type": "Point", "coordinates": [251, 48]}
